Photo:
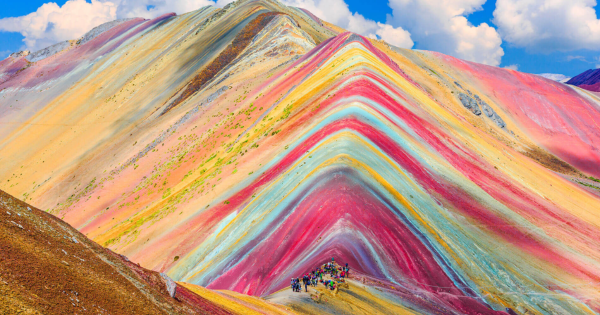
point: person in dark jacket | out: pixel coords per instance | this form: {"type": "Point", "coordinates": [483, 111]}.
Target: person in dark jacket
{"type": "Point", "coordinates": [305, 281]}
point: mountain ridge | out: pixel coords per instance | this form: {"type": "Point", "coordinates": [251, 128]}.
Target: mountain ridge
{"type": "Point", "coordinates": [413, 166]}
{"type": "Point", "coordinates": [588, 80]}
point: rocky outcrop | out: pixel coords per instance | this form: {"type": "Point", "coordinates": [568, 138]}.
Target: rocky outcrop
{"type": "Point", "coordinates": [475, 104]}
{"type": "Point", "coordinates": [99, 30]}
{"type": "Point", "coordinates": [469, 103]}
{"type": "Point", "coordinates": [48, 51]}
{"type": "Point", "coordinates": [58, 47]}
{"type": "Point", "coordinates": [489, 112]}
{"type": "Point", "coordinates": [20, 54]}
{"type": "Point", "coordinates": [170, 285]}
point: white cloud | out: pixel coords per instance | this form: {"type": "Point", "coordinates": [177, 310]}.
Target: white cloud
{"type": "Point", "coordinates": [441, 25]}
{"type": "Point", "coordinates": [549, 25]}
{"type": "Point", "coordinates": [394, 35]}
{"type": "Point", "coordinates": [555, 77]}
{"type": "Point", "coordinates": [338, 13]}
{"type": "Point", "coordinates": [51, 24]}
{"type": "Point", "coordinates": [153, 8]}
{"type": "Point", "coordinates": [512, 67]}
{"type": "Point", "coordinates": [571, 58]}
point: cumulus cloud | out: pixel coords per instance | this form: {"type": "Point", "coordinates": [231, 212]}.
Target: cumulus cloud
{"type": "Point", "coordinates": [571, 58]}
{"type": "Point", "coordinates": [549, 25]}
{"type": "Point", "coordinates": [51, 24]}
{"type": "Point", "coordinates": [512, 67]}
{"type": "Point", "coordinates": [555, 77]}
{"type": "Point", "coordinates": [338, 13]}
{"type": "Point", "coordinates": [153, 8]}
{"type": "Point", "coordinates": [441, 25]}
{"type": "Point", "coordinates": [394, 35]}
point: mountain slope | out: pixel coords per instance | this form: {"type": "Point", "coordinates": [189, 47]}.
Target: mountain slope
{"type": "Point", "coordinates": [237, 164]}
{"type": "Point", "coordinates": [48, 267]}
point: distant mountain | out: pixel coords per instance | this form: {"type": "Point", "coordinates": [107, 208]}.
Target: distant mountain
{"type": "Point", "coordinates": [555, 77]}
{"type": "Point", "coordinates": [589, 80]}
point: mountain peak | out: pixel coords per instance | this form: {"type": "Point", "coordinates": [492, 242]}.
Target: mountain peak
{"type": "Point", "coordinates": [235, 149]}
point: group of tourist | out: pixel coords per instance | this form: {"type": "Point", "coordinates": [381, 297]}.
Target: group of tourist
{"type": "Point", "coordinates": [337, 274]}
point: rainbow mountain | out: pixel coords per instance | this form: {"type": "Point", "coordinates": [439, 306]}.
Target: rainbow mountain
{"type": "Point", "coordinates": [237, 148]}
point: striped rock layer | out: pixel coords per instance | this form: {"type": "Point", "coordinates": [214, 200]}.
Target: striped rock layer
{"type": "Point", "coordinates": [237, 164]}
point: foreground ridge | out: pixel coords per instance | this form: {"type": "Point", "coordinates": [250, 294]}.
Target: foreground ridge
{"type": "Point", "coordinates": [50, 268]}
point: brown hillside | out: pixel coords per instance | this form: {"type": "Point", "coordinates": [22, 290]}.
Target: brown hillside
{"type": "Point", "coordinates": [47, 267]}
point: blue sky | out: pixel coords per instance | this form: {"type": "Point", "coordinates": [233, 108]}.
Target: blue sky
{"type": "Point", "coordinates": [13, 41]}
{"type": "Point", "coordinates": [561, 55]}
{"type": "Point", "coordinates": [568, 63]}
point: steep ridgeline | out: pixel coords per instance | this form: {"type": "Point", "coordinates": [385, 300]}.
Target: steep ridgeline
{"type": "Point", "coordinates": [48, 267]}
{"type": "Point", "coordinates": [451, 187]}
